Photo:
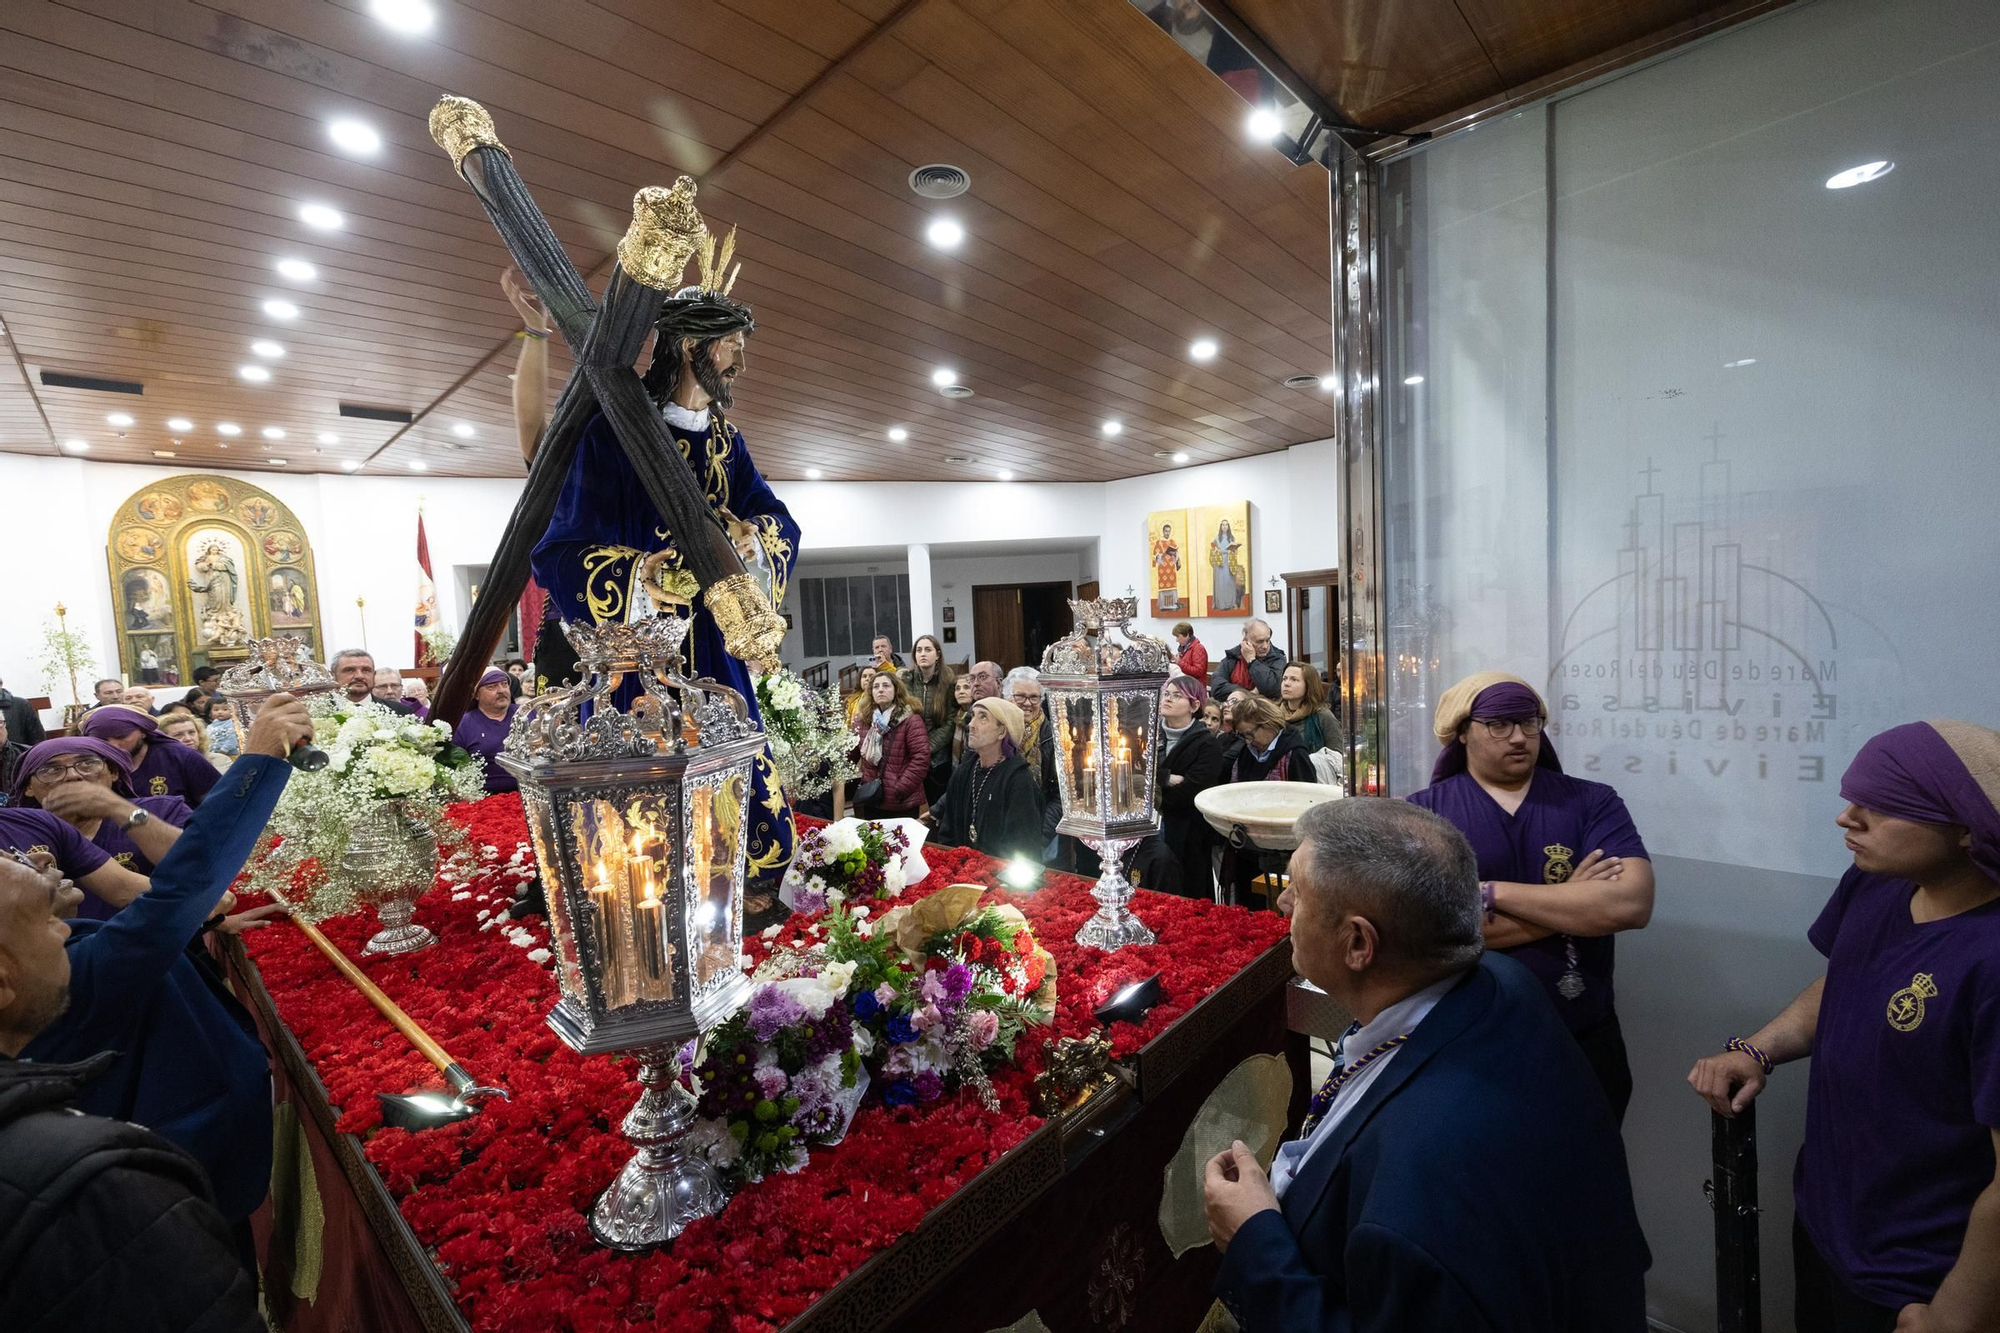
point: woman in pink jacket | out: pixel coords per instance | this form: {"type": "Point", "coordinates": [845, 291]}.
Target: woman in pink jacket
{"type": "Point", "coordinates": [895, 752]}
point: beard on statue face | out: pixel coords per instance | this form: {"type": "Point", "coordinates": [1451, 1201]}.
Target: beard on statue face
{"type": "Point", "coordinates": [717, 363]}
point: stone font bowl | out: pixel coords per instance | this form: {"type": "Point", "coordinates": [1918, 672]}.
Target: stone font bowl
{"type": "Point", "coordinates": [1261, 814]}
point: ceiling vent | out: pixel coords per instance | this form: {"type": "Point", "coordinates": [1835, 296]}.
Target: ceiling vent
{"type": "Point", "coordinates": [955, 391]}
{"type": "Point", "coordinates": [55, 379]}
{"type": "Point", "coordinates": [940, 180]}
{"type": "Point", "coordinates": [396, 414]}
{"type": "Point", "coordinates": [955, 458]}
{"type": "Point", "coordinates": [1302, 381]}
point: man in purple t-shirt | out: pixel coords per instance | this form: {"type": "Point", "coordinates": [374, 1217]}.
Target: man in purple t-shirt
{"type": "Point", "coordinates": [1561, 867]}
{"type": "Point", "coordinates": [1897, 1206]}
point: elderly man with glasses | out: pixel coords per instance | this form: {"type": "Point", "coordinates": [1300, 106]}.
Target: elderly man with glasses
{"type": "Point", "coordinates": [1253, 664]}
{"type": "Point", "coordinates": [1561, 868]}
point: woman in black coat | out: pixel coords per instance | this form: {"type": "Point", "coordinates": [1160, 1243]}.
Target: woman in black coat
{"type": "Point", "coordinates": [993, 803]}
{"type": "Point", "coordinates": [1270, 752]}
{"type": "Point", "coordinates": [1190, 763]}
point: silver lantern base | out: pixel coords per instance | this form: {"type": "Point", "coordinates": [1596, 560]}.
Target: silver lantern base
{"type": "Point", "coordinates": [1113, 926]}
{"type": "Point", "coordinates": [664, 1187]}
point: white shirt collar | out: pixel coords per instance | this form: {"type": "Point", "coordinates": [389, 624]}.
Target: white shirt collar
{"type": "Point", "coordinates": [1400, 1017]}
{"type": "Point", "coordinates": [686, 418]}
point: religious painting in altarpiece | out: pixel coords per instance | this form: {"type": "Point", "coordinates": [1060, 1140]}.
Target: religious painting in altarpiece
{"type": "Point", "coordinates": [1221, 559]}
{"type": "Point", "coordinates": [200, 566]}
{"type": "Point", "coordinates": [1167, 563]}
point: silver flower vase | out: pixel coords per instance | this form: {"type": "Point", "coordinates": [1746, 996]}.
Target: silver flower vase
{"type": "Point", "coordinates": [391, 860]}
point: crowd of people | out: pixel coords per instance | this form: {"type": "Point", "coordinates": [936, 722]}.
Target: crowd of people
{"type": "Point", "coordinates": [923, 753]}
{"type": "Point", "coordinates": [1469, 930]}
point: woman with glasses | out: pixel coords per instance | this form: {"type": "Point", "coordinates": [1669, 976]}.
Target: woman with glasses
{"type": "Point", "coordinates": [1561, 867]}
{"type": "Point", "coordinates": [70, 800]}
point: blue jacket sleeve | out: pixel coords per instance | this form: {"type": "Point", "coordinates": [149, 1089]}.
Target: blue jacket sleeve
{"type": "Point", "coordinates": [1267, 1284]}
{"type": "Point", "coordinates": [129, 954]}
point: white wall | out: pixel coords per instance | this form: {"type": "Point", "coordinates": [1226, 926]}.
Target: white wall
{"type": "Point", "coordinates": [363, 534]}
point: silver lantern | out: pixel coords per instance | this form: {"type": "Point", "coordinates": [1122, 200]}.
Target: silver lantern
{"type": "Point", "coordinates": [638, 818]}
{"type": "Point", "coordinates": [1101, 690]}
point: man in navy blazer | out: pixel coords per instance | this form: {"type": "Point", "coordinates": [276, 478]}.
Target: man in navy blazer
{"type": "Point", "coordinates": [1460, 1170]}
{"type": "Point", "coordinates": [190, 1066]}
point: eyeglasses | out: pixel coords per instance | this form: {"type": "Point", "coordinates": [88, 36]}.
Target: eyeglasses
{"type": "Point", "coordinates": [1501, 728]}
{"type": "Point", "coordinates": [90, 766]}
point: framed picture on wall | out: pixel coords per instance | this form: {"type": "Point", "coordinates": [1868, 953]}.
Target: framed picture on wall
{"type": "Point", "coordinates": [1274, 601]}
{"type": "Point", "coordinates": [950, 634]}
{"type": "Point", "coordinates": [950, 614]}
{"type": "Point", "coordinates": [1220, 560]}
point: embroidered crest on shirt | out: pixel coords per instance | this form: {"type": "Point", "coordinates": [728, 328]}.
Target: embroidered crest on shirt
{"type": "Point", "coordinates": [159, 786]}
{"type": "Point", "coordinates": [1557, 869]}
{"type": "Point", "coordinates": [1906, 1006]}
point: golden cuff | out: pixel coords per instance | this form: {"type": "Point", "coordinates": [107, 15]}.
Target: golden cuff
{"type": "Point", "coordinates": [751, 630]}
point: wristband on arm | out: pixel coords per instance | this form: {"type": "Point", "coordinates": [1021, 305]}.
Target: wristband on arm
{"type": "Point", "coordinates": [1738, 1044]}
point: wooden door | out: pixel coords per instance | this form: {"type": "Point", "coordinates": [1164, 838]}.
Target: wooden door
{"type": "Point", "coordinates": [1087, 592]}
{"type": "Point", "coordinates": [996, 625]}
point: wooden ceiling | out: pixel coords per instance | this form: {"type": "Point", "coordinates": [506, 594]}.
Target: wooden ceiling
{"type": "Point", "coordinates": [154, 155]}
{"type": "Point", "coordinates": [1421, 64]}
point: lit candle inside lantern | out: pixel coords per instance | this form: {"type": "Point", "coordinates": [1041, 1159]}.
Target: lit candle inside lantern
{"type": "Point", "coordinates": [649, 920]}
{"type": "Point", "coordinates": [642, 869]}
{"type": "Point", "coordinates": [1121, 776]}
{"type": "Point", "coordinates": [604, 926]}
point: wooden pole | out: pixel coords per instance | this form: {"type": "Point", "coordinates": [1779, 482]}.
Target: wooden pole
{"type": "Point", "coordinates": [426, 1045]}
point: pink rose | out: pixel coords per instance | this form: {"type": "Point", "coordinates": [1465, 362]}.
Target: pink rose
{"type": "Point", "coordinates": [983, 1027]}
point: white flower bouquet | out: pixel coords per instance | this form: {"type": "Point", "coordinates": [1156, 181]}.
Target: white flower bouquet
{"type": "Point", "coordinates": [807, 732]}
{"type": "Point", "coordinates": [377, 762]}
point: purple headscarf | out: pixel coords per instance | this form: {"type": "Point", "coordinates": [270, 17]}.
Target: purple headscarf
{"type": "Point", "coordinates": [121, 763]}
{"type": "Point", "coordinates": [492, 677]}
{"type": "Point", "coordinates": [110, 720]}
{"type": "Point", "coordinates": [1506, 700]}
{"type": "Point", "coordinates": [1934, 773]}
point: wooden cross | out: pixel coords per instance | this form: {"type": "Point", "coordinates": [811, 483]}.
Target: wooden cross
{"type": "Point", "coordinates": [606, 340]}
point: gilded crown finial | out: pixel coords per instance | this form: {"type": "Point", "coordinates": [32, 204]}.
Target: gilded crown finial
{"type": "Point", "coordinates": [460, 125]}
{"type": "Point", "coordinates": [666, 230]}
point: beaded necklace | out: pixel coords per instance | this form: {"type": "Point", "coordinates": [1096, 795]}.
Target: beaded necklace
{"type": "Point", "coordinates": [1322, 1100]}
{"type": "Point", "coordinates": [980, 772]}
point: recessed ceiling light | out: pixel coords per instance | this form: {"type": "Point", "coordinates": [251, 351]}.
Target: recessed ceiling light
{"type": "Point", "coordinates": [1006, 474]}
{"type": "Point", "coordinates": [419, 465]}
{"type": "Point", "coordinates": [813, 474]}
{"type": "Point", "coordinates": [1181, 457]}
{"type": "Point", "coordinates": [179, 425]}
{"type": "Point", "coordinates": [1263, 125]}
{"type": "Point", "coordinates": [944, 233]}
{"type": "Point", "coordinates": [1861, 175]}
{"type": "Point", "coordinates": [255, 374]}
{"type": "Point", "coordinates": [228, 428]}
{"type": "Point", "coordinates": [897, 434]}
{"type": "Point", "coordinates": [77, 446]}
{"type": "Point", "coordinates": [1203, 349]}
{"type": "Point", "coordinates": [1413, 379]}
{"type": "Point", "coordinates": [267, 349]}
{"type": "Point", "coordinates": [1746, 361]}
{"type": "Point", "coordinates": [165, 453]}
{"type": "Point", "coordinates": [278, 462]}
{"type": "Point", "coordinates": [350, 464]}
{"type": "Point", "coordinates": [354, 136]}
{"type": "Point", "coordinates": [281, 310]}
{"type": "Point", "coordinates": [943, 376]}
{"type": "Point", "coordinates": [1113, 427]}
{"type": "Point", "coordinates": [463, 429]}
{"type": "Point", "coordinates": [296, 270]}
{"type": "Point", "coordinates": [1328, 383]}
{"type": "Point", "coordinates": [411, 16]}
{"type": "Point", "coordinates": [273, 432]}
{"type": "Point", "coordinates": [328, 437]}
{"type": "Point", "coordinates": [120, 419]}
{"type": "Point", "coordinates": [321, 218]}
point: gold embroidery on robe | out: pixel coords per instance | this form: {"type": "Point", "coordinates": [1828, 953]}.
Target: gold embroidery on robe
{"type": "Point", "coordinates": [1557, 869]}
{"type": "Point", "coordinates": [1906, 1006]}
{"type": "Point", "coordinates": [607, 586]}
